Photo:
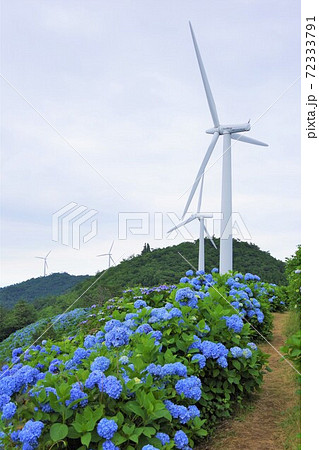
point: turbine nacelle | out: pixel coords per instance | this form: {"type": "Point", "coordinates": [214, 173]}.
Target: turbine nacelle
{"type": "Point", "coordinates": [228, 129]}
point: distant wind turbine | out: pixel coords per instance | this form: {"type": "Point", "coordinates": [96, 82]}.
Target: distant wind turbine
{"type": "Point", "coordinates": [45, 264]}
{"type": "Point", "coordinates": [228, 132]}
{"type": "Point", "coordinates": [202, 229]}
{"type": "Point", "coordinates": [109, 254]}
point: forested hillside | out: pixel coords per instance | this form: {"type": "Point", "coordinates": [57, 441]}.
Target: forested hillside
{"type": "Point", "coordinates": [39, 298]}
{"type": "Point", "coordinates": [163, 266]}
{"type": "Point", "coordinates": [30, 290]}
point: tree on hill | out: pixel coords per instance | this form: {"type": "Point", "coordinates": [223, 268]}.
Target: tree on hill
{"type": "Point", "coordinates": [146, 249]}
{"type": "Point", "coordinates": [12, 320]}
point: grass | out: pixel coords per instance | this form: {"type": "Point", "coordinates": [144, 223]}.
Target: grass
{"type": "Point", "coordinates": [292, 421]}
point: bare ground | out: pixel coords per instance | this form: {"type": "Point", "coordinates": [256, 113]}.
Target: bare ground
{"type": "Point", "coordinates": [259, 428]}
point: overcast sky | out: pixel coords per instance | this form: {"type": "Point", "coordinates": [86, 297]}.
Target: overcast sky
{"type": "Point", "coordinates": [118, 81]}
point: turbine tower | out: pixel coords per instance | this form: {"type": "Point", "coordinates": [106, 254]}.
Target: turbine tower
{"type": "Point", "coordinates": [45, 264]}
{"type": "Point", "coordinates": [228, 132]}
{"type": "Point", "coordinates": [109, 254]}
{"type": "Point", "coordinates": [202, 229]}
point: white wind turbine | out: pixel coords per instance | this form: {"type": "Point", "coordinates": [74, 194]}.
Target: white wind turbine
{"type": "Point", "coordinates": [202, 228]}
{"type": "Point", "coordinates": [45, 264]}
{"type": "Point", "coordinates": [228, 132]}
{"type": "Point", "coordinates": [109, 254]}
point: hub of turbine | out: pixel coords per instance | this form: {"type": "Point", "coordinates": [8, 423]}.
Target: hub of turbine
{"type": "Point", "coordinates": [226, 129]}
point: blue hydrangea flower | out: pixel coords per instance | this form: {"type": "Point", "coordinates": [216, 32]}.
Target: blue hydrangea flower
{"type": "Point", "coordinates": [100, 363]}
{"type": "Point", "coordinates": [193, 411]}
{"type": "Point", "coordinates": [190, 387]}
{"type": "Point", "coordinates": [16, 352]}
{"type": "Point", "coordinates": [96, 378]}
{"type": "Point", "coordinates": [117, 337]}
{"type": "Point", "coordinates": [54, 366]}
{"type": "Point", "coordinates": [150, 447]}
{"type": "Point", "coordinates": [140, 304]}
{"type": "Point", "coordinates": [183, 295]}
{"type": "Point", "coordinates": [56, 349]}
{"type": "Point", "coordinates": [30, 433]}
{"type": "Point", "coordinates": [200, 359]}
{"type": "Point", "coordinates": [108, 445]}
{"type": "Point", "coordinates": [209, 349]}
{"type": "Point", "coordinates": [111, 324]}
{"type": "Point", "coordinates": [106, 428]}
{"type": "Point", "coordinates": [80, 354]}
{"type": "Point", "coordinates": [177, 368]}
{"type": "Point", "coordinates": [196, 344]}
{"type": "Point", "coordinates": [124, 360]}
{"type": "Point", "coordinates": [15, 436]}
{"type": "Point", "coordinates": [4, 399]}
{"type": "Point", "coordinates": [184, 280]}
{"type": "Point", "coordinates": [222, 362]}
{"type": "Point", "coordinates": [112, 387]}
{"type": "Point", "coordinates": [8, 411]}
{"type": "Point", "coordinates": [252, 345]}
{"type": "Point", "coordinates": [236, 352]}
{"type": "Point", "coordinates": [157, 335]}
{"type": "Point", "coordinates": [77, 393]}
{"type": "Point", "coordinates": [175, 312]}
{"type": "Point", "coordinates": [234, 322]}
{"type": "Point", "coordinates": [180, 439]}
{"type": "Point", "coordinates": [89, 341]}
{"type": "Point", "coordinates": [247, 353]}
{"type": "Point", "coordinates": [189, 273]}
{"type": "Point", "coordinates": [144, 328]}
{"type": "Point", "coordinates": [163, 437]}
{"type": "Point", "coordinates": [178, 411]}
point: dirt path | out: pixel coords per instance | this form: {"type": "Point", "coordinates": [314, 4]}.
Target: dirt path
{"type": "Point", "coordinates": [259, 428]}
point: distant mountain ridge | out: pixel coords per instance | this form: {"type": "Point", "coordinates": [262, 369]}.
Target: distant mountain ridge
{"type": "Point", "coordinates": [52, 285]}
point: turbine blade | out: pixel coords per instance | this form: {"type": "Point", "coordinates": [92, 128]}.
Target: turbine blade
{"type": "Point", "coordinates": [247, 139]}
{"type": "Point", "coordinates": [209, 95]}
{"type": "Point", "coordinates": [39, 257]}
{"type": "Point", "coordinates": [201, 171]}
{"type": "Point", "coordinates": [209, 237]}
{"type": "Point", "coordinates": [103, 254]}
{"type": "Point", "coordinates": [49, 253]}
{"type": "Point", "coordinates": [192, 217]}
{"type": "Point", "coordinates": [112, 260]}
{"type": "Point", "coordinates": [111, 247]}
{"type": "Point", "coordinates": [200, 194]}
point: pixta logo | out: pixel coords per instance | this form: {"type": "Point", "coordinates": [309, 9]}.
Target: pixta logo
{"type": "Point", "coordinates": [74, 225]}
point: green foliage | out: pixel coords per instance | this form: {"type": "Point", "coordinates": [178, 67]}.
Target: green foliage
{"type": "Point", "coordinates": [292, 349]}
{"type": "Point", "coordinates": [11, 320]}
{"type": "Point", "coordinates": [293, 273]}
{"type": "Point", "coordinates": [139, 411]}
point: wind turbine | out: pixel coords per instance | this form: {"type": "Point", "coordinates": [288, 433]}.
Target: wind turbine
{"type": "Point", "coordinates": [202, 229]}
{"type": "Point", "coordinates": [109, 254]}
{"type": "Point", "coordinates": [228, 132]}
{"type": "Point", "coordinates": [45, 264]}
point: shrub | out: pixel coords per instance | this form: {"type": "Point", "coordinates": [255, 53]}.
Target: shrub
{"type": "Point", "coordinates": [153, 369]}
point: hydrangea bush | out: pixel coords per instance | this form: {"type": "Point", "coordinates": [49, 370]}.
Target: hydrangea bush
{"type": "Point", "coordinates": [155, 369]}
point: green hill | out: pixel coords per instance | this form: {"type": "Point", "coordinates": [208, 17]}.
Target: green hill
{"type": "Point", "coordinates": [47, 296]}
{"type": "Point", "coordinates": [163, 266]}
{"type": "Point", "coordinates": [30, 290]}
